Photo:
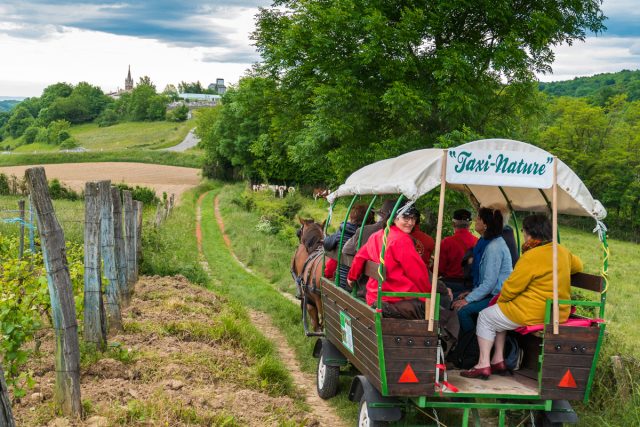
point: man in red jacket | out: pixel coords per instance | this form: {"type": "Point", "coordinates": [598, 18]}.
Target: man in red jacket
{"type": "Point", "coordinates": [452, 250]}
{"type": "Point", "coordinates": [424, 243]}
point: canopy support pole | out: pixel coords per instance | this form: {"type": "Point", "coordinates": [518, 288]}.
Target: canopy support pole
{"type": "Point", "coordinates": [554, 206]}
{"type": "Point", "coordinates": [513, 215]}
{"type": "Point", "coordinates": [434, 279]}
{"type": "Point", "coordinates": [344, 226]}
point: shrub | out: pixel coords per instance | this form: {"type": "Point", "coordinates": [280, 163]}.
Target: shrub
{"type": "Point", "coordinates": [57, 190]}
{"type": "Point", "coordinates": [69, 143]}
{"type": "Point", "coordinates": [291, 207]}
{"type": "Point", "coordinates": [108, 117]}
{"type": "Point", "coordinates": [178, 114]}
{"type": "Point", "coordinates": [30, 134]}
{"type": "Point", "coordinates": [58, 131]}
{"type": "Point", "coordinates": [245, 201]}
{"type": "Point", "coordinates": [145, 195]}
{"type": "Point", "coordinates": [4, 185]}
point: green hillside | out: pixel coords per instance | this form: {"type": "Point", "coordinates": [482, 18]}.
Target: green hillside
{"type": "Point", "coordinates": [128, 135]}
{"type": "Point", "coordinates": [599, 88]}
{"type": "Point", "coordinates": [122, 136]}
{"type": "Point", "coordinates": [8, 104]}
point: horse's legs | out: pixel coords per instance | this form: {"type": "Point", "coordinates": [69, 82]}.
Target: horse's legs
{"type": "Point", "coordinates": [320, 312]}
{"type": "Point", "coordinates": [313, 315]}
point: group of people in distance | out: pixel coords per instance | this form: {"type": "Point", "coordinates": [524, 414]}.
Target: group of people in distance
{"type": "Point", "coordinates": [485, 285]}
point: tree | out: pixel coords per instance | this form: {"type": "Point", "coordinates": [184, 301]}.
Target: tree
{"type": "Point", "coordinates": [140, 100]}
{"type": "Point", "coordinates": [19, 121]}
{"type": "Point", "coordinates": [362, 80]}
{"type": "Point", "coordinates": [178, 114]}
{"type": "Point", "coordinates": [58, 132]}
{"type": "Point", "coordinates": [157, 108]}
{"type": "Point", "coordinates": [194, 87]}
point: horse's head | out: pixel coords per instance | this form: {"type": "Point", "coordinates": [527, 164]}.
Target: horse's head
{"type": "Point", "coordinates": [310, 234]}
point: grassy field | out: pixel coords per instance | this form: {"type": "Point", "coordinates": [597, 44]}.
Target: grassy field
{"type": "Point", "coordinates": [122, 136]}
{"type": "Point", "coordinates": [131, 135]}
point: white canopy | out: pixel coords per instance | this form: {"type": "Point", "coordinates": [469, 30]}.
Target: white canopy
{"type": "Point", "coordinates": [523, 183]}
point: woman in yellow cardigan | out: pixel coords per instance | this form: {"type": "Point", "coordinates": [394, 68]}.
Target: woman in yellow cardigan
{"type": "Point", "coordinates": [524, 295]}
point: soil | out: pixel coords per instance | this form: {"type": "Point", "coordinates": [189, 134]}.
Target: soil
{"type": "Point", "coordinates": [162, 374]}
{"type": "Point", "coordinates": [170, 179]}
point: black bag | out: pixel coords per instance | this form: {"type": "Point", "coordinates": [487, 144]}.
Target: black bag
{"type": "Point", "coordinates": [412, 309]}
{"type": "Point", "coordinates": [467, 263]}
{"type": "Point", "coordinates": [466, 353]}
{"type": "Point", "coordinates": [512, 353]}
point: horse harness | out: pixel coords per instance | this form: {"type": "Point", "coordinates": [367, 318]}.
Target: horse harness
{"type": "Point", "coordinates": [309, 266]}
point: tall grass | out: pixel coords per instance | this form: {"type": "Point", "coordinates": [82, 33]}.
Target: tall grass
{"type": "Point", "coordinates": [70, 215]}
{"type": "Point", "coordinates": [172, 248]}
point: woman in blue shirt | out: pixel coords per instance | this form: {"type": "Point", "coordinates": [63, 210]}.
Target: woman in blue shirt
{"type": "Point", "coordinates": [491, 267]}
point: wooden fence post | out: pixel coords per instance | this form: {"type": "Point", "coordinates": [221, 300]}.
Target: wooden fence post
{"type": "Point", "coordinates": [108, 250]}
{"type": "Point", "coordinates": [138, 207]}
{"type": "Point", "coordinates": [121, 256]}
{"type": "Point", "coordinates": [95, 322]}
{"type": "Point", "coordinates": [171, 203]}
{"type": "Point", "coordinates": [21, 248]}
{"type": "Point", "coordinates": [6, 416]}
{"type": "Point", "coordinates": [67, 353]}
{"type": "Point", "coordinates": [158, 215]}
{"type": "Point", "coordinates": [130, 238]}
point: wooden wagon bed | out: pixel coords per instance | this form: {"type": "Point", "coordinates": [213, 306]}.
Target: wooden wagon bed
{"type": "Point", "coordinates": [498, 385]}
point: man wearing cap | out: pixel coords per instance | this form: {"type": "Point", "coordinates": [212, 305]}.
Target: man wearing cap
{"type": "Point", "coordinates": [350, 248]}
{"type": "Point", "coordinates": [452, 250]}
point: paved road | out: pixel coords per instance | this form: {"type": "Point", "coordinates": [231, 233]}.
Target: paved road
{"type": "Point", "coordinates": [190, 141]}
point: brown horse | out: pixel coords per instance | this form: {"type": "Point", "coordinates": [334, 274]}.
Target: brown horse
{"type": "Point", "coordinates": [306, 269]}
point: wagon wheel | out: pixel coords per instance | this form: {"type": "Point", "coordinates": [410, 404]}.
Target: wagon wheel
{"type": "Point", "coordinates": [363, 416]}
{"type": "Point", "coordinates": [327, 379]}
{"type": "Point", "coordinates": [542, 421]}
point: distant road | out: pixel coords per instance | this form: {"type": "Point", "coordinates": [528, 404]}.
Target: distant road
{"type": "Point", "coordinates": [189, 141]}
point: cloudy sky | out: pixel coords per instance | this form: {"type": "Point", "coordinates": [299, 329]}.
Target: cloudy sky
{"type": "Point", "coordinates": [47, 41]}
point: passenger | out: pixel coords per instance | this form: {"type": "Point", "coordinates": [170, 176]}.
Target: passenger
{"type": "Point", "coordinates": [356, 217]}
{"type": "Point", "coordinates": [453, 249]}
{"type": "Point", "coordinates": [491, 267]}
{"type": "Point", "coordinates": [350, 248]}
{"type": "Point", "coordinates": [423, 242]}
{"type": "Point", "coordinates": [405, 270]}
{"type": "Point", "coordinates": [509, 237]}
{"type": "Point", "coordinates": [524, 295]}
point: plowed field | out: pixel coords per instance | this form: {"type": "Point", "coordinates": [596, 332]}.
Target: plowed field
{"type": "Point", "coordinates": [169, 179]}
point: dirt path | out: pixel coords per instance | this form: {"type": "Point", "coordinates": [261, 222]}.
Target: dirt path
{"type": "Point", "coordinates": [305, 382]}
{"type": "Point", "coordinates": [169, 179]}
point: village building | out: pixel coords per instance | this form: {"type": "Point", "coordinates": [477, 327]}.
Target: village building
{"type": "Point", "coordinates": [128, 86]}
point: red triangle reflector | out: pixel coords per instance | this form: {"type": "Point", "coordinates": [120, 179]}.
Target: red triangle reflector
{"type": "Point", "coordinates": [408, 376]}
{"type": "Point", "coordinates": [568, 381]}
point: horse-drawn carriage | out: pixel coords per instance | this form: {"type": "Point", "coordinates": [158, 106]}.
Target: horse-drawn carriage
{"type": "Point", "coordinates": [400, 361]}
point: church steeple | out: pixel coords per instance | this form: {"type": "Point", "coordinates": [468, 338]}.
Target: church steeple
{"type": "Point", "coordinates": [128, 82]}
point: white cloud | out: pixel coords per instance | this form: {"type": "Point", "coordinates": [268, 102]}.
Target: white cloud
{"type": "Point", "coordinates": [596, 55]}
{"type": "Point", "coordinates": [102, 59]}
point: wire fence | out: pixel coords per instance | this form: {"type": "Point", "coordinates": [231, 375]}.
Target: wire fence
{"type": "Point", "coordinates": [70, 215]}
